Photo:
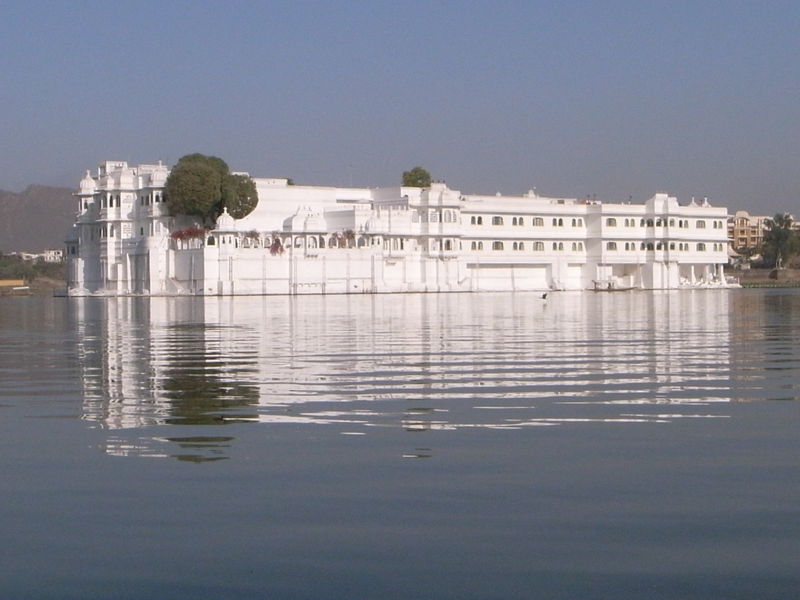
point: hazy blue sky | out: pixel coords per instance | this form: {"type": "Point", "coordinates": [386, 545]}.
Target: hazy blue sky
{"type": "Point", "coordinates": [616, 99]}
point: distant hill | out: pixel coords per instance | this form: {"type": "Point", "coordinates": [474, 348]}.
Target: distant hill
{"type": "Point", "coordinates": [35, 219]}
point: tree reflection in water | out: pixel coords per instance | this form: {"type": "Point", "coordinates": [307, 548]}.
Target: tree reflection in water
{"type": "Point", "coordinates": [202, 385]}
{"type": "Point", "coordinates": [147, 363]}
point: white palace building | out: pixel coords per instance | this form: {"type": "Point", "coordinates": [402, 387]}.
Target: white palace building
{"type": "Point", "coordinates": [327, 240]}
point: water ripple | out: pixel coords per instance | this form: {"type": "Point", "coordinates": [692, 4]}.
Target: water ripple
{"type": "Point", "coordinates": [418, 362]}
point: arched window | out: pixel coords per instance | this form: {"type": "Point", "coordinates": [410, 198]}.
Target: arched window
{"type": "Point", "coordinates": [574, 222]}
{"type": "Point", "coordinates": [611, 245]}
{"type": "Point", "coordinates": [474, 246]}
{"type": "Point", "coordinates": [672, 222]}
{"type": "Point", "coordinates": [538, 246]}
{"type": "Point", "coordinates": [649, 222]}
{"type": "Point", "coordinates": [560, 222]}
{"type": "Point", "coordinates": [555, 222]}
{"type": "Point", "coordinates": [701, 224]}
{"type": "Point", "coordinates": [514, 246]}
{"type": "Point", "coordinates": [649, 245]}
{"type": "Point", "coordinates": [560, 245]}
{"type": "Point", "coordinates": [555, 246]}
{"type": "Point", "coordinates": [538, 222]}
{"type": "Point", "coordinates": [448, 245]}
{"type": "Point", "coordinates": [480, 220]}
{"type": "Point", "coordinates": [514, 221]}
{"type": "Point", "coordinates": [480, 245]}
{"type": "Point", "coordinates": [472, 220]}
{"type": "Point", "coordinates": [520, 221]}
{"type": "Point", "coordinates": [701, 247]}
{"type": "Point", "coordinates": [611, 222]}
{"type": "Point", "coordinates": [672, 245]}
{"type": "Point", "coordinates": [660, 246]}
{"type": "Point", "coordinates": [497, 220]}
{"type": "Point", "coordinates": [497, 245]}
{"type": "Point", "coordinates": [522, 245]}
{"type": "Point", "coordinates": [574, 247]}
{"type": "Point", "coordinates": [641, 223]}
{"type": "Point", "coordinates": [580, 222]}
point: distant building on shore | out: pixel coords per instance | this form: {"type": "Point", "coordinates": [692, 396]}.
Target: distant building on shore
{"type": "Point", "coordinates": [746, 231]}
{"type": "Point", "coordinates": [323, 240]}
{"type": "Point", "coordinates": [49, 256]}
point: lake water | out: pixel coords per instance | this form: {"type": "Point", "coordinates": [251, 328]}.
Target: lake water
{"type": "Point", "coordinates": [626, 446]}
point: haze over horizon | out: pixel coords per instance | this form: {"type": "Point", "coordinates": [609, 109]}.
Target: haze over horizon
{"type": "Point", "coordinates": [617, 100]}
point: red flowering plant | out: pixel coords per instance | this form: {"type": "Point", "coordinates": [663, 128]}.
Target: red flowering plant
{"type": "Point", "coordinates": [190, 233]}
{"type": "Point", "coordinates": [276, 248]}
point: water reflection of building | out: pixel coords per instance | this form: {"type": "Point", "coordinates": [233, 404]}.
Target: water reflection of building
{"type": "Point", "coordinates": [673, 351]}
{"type": "Point", "coordinates": [416, 361]}
{"type": "Point", "coordinates": [155, 362]}
{"type": "Point", "coordinates": [764, 347]}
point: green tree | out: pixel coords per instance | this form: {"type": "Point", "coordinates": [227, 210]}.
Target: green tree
{"type": "Point", "coordinates": [780, 243]}
{"type": "Point", "coordinates": [417, 177]}
{"type": "Point", "coordinates": [203, 186]}
{"type": "Point", "coordinates": [13, 267]}
{"type": "Point", "coordinates": [239, 195]}
{"type": "Point", "coordinates": [194, 186]}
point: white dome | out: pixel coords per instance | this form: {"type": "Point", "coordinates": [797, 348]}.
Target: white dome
{"type": "Point", "coordinates": [88, 185]}
{"type": "Point", "coordinates": [225, 222]}
{"type": "Point", "coordinates": [304, 220]}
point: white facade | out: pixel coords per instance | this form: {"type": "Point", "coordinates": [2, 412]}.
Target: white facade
{"type": "Point", "coordinates": [322, 240]}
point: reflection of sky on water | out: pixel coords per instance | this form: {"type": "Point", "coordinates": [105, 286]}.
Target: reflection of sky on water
{"type": "Point", "coordinates": [423, 362]}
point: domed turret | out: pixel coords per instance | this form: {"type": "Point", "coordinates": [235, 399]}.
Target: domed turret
{"type": "Point", "coordinates": [304, 220]}
{"type": "Point", "coordinates": [88, 184]}
{"type": "Point", "coordinates": [225, 222]}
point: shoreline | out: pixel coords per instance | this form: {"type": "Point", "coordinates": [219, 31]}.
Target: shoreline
{"type": "Point", "coordinates": [767, 278]}
{"type": "Point", "coordinates": [753, 278]}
